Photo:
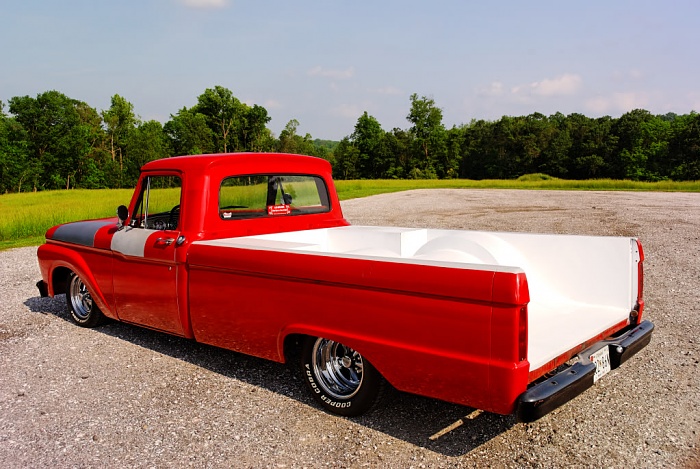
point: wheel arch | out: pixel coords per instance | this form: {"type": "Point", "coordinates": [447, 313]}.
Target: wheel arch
{"type": "Point", "coordinates": [292, 340]}
{"type": "Point", "coordinates": [291, 347]}
{"type": "Point", "coordinates": [59, 279]}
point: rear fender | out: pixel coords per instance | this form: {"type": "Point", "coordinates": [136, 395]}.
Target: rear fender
{"type": "Point", "coordinates": [431, 372]}
{"type": "Point", "coordinates": [379, 353]}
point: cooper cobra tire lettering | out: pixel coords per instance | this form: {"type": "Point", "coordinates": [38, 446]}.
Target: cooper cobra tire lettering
{"type": "Point", "coordinates": [310, 377]}
{"type": "Point", "coordinates": [339, 405]}
{"type": "Point", "coordinates": [339, 379]}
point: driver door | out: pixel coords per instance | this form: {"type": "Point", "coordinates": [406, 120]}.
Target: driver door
{"type": "Point", "coordinates": [145, 271]}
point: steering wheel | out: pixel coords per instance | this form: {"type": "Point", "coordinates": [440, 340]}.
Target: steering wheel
{"type": "Point", "coordinates": [174, 217]}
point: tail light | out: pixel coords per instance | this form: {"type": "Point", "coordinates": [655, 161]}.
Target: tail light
{"type": "Point", "coordinates": [640, 283]}
{"type": "Point", "coordinates": [522, 334]}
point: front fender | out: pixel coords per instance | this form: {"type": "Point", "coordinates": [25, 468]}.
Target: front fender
{"type": "Point", "coordinates": [55, 260]}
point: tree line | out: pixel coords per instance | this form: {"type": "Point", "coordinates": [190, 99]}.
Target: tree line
{"type": "Point", "coordinates": [637, 146]}
{"type": "Point", "coordinates": [56, 142]}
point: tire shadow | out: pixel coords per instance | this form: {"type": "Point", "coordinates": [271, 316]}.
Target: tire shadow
{"type": "Point", "coordinates": [454, 429]}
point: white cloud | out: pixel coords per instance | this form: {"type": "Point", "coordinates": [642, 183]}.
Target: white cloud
{"type": "Point", "coordinates": [627, 75]}
{"type": "Point", "coordinates": [636, 74]}
{"type": "Point", "coordinates": [347, 110]}
{"type": "Point", "coordinates": [693, 100]}
{"type": "Point", "coordinates": [628, 101]}
{"type": "Point", "coordinates": [617, 103]}
{"type": "Point", "coordinates": [268, 104]}
{"type": "Point", "coordinates": [205, 4]}
{"type": "Point", "coordinates": [390, 90]}
{"type": "Point", "coordinates": [272, 104]}
{"type": "Point", "coordinates": [562, 85]}
{"type": "Point", "coordinates": [598, 105]}
{"type": "Point", "coordinates": [530, 94]}
{"type": "Point", "coordinates": [496, 88]}
{"type": "Point", "coordinates": [319, 71]}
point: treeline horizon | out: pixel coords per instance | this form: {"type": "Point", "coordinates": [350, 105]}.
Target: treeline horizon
{"type": "Point", "coordinates": [56, 142]}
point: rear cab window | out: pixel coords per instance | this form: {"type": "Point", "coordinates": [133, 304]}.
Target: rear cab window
{"type": "Point", "coordinates": [272, 195]}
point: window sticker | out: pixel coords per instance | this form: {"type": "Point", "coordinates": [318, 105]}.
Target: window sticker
{"type": "Point", "coordinates": [279, 209]}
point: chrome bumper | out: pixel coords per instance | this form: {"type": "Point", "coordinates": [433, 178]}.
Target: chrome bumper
{"type": "Point", "coordinates": [551, 393]}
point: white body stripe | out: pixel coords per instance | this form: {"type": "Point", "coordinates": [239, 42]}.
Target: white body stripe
{"type": "Point", "coordinates": [131, 241]}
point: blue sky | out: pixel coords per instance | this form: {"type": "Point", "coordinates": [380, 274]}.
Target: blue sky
{"type": "Point", "coordinates": [326, 62]}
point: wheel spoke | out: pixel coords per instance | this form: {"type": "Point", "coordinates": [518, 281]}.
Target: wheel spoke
{"type": "Point", "coordinates": [338, 367]}
{"type": "Point", "coordinates": [80, 298]}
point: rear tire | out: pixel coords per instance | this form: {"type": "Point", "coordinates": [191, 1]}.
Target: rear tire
{"type": "Point", "coordinates": [82, 308]}
{"type": "Point", "coordinates": [339, 378]}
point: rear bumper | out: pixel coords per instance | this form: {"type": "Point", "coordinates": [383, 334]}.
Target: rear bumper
{"type": "Point", "coordinates": [551, 393]}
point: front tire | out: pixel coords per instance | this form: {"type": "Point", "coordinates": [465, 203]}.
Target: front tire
{"type": "Point", "coordinates": [339, 378]}
{"type": "Point", "coordinates": [82, 308]}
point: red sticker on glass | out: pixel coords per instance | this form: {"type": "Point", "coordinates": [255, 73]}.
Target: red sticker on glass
{"type": "Point", "coordinates": [279, 210]}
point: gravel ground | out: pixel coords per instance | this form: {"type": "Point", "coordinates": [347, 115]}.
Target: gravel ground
{"type": "Point", "coordinates": [121, 396]}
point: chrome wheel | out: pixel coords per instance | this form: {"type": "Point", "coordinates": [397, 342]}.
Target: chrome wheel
{"type": "Point", "coordinates": [80, 299]}
{"type": "Point", "coordinates": [339, 369]}
{"type": "Point", "coordinates": [339, 378]}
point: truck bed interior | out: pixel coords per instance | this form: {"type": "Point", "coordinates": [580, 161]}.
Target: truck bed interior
{"type": "Point", "coordinates": [580, 286]}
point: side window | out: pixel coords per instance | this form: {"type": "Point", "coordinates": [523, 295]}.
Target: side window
{"type": "Point", "coordinates": [272, 195]}
{"type": "Point", "coordinates": [158, 205]}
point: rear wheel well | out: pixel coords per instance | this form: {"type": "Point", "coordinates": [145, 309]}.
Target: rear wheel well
{"type": "Point", "coordinates": [292, 348]}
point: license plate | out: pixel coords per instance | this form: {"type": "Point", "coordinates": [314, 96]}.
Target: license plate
{"type": "Point", "coordinates": [601, 359]}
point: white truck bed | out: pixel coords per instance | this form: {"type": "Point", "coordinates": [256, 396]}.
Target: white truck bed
{"type": "Point", "coordinates": [580, 286]}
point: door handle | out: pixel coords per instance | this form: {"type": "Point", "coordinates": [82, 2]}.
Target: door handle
{"type": "Point", "coordinates": [166, 241]}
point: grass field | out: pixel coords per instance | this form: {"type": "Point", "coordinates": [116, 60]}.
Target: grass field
{"type": "Point", "coordinates": [24, 218]}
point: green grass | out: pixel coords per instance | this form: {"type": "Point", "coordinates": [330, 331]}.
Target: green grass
{"type": "Point", "coordinates": [24, 218]}
{"type": "Point", "coordinates": [20, 243]}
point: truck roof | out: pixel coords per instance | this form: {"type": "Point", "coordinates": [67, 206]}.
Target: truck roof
{"type": "Point", "coordinates": [243, 163]}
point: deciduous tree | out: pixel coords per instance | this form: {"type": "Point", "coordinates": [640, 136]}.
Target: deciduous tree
{"type": "Point", "coordinates": [428, 132]}
{"type": "Point", "coordinates": [224, 114]}
{"type": "Point", "coordinates": [189, 133]}
{"type": "Point", "coordinates": [14, 154]}
{"type": "Point", "coordinates": [120, 121]}
{"type": "Point", "coordinates": [57, 135]}
{"type": "Point", "coordinates": [367, 138]}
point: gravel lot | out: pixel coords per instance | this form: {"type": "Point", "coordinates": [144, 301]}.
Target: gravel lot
{"type": "Point", "coordinates": [121, 396]}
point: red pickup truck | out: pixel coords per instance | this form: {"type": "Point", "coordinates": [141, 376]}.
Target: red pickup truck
{"type": "Point", "coordinates": [250, 252]}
